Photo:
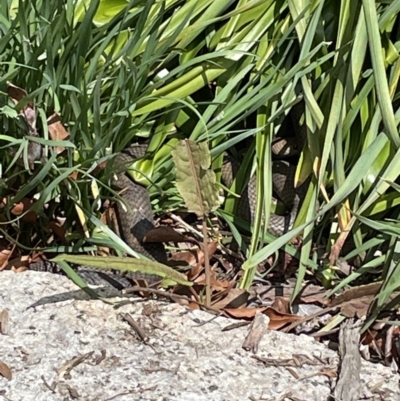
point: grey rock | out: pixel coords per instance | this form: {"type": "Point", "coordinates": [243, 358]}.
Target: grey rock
{"type": "Point", "coordinates": [188, 356]}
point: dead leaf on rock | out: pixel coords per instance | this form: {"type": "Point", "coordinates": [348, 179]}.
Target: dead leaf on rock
{"type": "Point", "coordinates": [235, 298]}
{"type": "Point", "coordinates": [281, 304]}
{"type": "Point", "coordinates": [278, 319]}
{"type": "Point", "coordinates": [5, 371]}
{"type": "Point", "coordinates": [310, 293]}
{"type": "Point", "coordinates": [193, 305]}
{"type": "Point", "coordinates": [244, 313]}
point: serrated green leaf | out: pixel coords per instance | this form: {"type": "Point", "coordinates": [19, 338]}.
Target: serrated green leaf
{"type": "Point", "coordinates": [126, 265]}
{"type": "Point", "coordinates": [195, 180]}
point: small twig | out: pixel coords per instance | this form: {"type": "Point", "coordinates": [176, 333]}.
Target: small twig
{"type": "Point", "coordinates": [171, 296]}
{"type": "Point", "coordinates": [206, 322]}
{"type": "Point", "coordinates": [128, 318]}
{"type": "Point", "coordinates": [207, 263]}
{"type": "Point", "coordinates": [194, 293]}
{"type": "Point", "coordinates": [101, 358]}
{"type": "Point", "coordinates": [66, 367]}
{"type": "Point", "coordinates": [52, 387]}
{"type": "Point", "coordinates": [307, 318]}
{"type": "Point", "coordinates": [388, 345]}
{"type": "Point", "coordinates": [186, 225]}
{"type": "Point", "coordinates": [131, 392]}
{"type": "Point", "coordinates": [234, 326]}
{"type": "Point", "coordinates": [258, 327]}
{"type": "Point", "coordinates": [348, 385]}
{"type": "Point", "coordinates": [324, 333]}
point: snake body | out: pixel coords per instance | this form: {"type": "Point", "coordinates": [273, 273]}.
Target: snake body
{"type": "Point", "coordinates": [283, 176]}
{"type": "Point", "coordinates": [284, 150]}
{"type": "Point", "coordinates": [97, 276]}
{"type": "Point", "coordinates": [136, 218]}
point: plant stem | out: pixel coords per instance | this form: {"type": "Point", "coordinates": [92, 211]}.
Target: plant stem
{"type": "Point", "coordinates": [207, 263]}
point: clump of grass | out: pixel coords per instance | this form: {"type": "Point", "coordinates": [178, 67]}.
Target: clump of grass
{"type": "Point", "coordinates": [219, 72]}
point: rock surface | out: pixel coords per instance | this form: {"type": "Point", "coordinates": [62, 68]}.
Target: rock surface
{"type": "Point", "coordinates": [188, 356]}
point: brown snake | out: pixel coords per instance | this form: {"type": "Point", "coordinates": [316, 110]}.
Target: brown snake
{"type": "Point", "coordinates": [283, 179]}
{"type": "Point", "coordinates": [136, 217]}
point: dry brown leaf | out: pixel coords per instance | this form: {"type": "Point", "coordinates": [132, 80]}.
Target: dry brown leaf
{"type": "Point", "coordinates": [328, 372]}
{"type": "Point", "coordinates": [57, 131]}
{"type": "Point", "coordinates": [16, 94]}
{"type": "Point", "coordinates": [108, 216]}
{"type": "Point", "coordinates": [212, 248]}
{"type": "Point", "coordinates": [4, 257]}
{"type": "Point", "coordinates": [287, 261]}
{"type": "Point", "coordinates": [100, 167]}
{"type": "Point", "coordinates": [309, 293]}
{"type": "Point", "coordinates": [18, 264]}
{"type": "Point", "coordinates": [357, 292]}
{"type": "Point", "coordinates": [195, 271]}
{"type": "Point", "coordinates": [317, 296]}
{"type": "Point", "coordinates": [344, 267]}
{"type": "Point", "coordinates": [244, 313]}
{"type": "Point", "coordinates": [189, 258]}
{"type": "Point", "coordinates": [371, 338]}
{"type": "Point", "coordinates": [337, 247]}
{"type": "Point", "coordinates": [235, 298]}
{"type": "Point", "coordinates": [357, 307]}
{"type": "Point", "coordinates": [21, 207]}
{"type": "Point", "coordinates": [193, 306]}
{"type": "Point", "coordinates": [58, 230]}
{"type": "Point", "coordinates": [5, 371]}
{"type": "Point", "coordinates": [28, 112]}
{"type": "Point", "coordinates": [281, 304]}
{"type": "Point", "coordinates": [278, 319]}
{"type": "Point", "coordinates": [74, 175]}
{"type": "Point", "coordinates": [195, 258]}
{"type": "Point", "coordinates": [216, 285]}
{"type": "Point", "coordinates": [36, 256]}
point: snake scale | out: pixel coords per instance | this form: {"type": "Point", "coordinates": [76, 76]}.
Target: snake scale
{"type": "Point", "coordinates": [136, 217]}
